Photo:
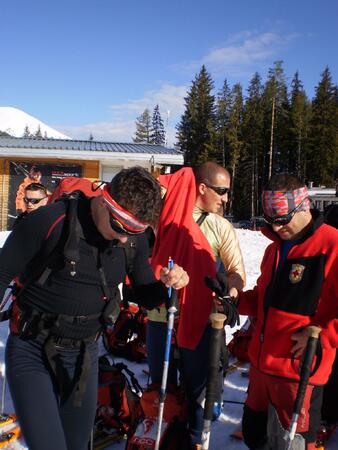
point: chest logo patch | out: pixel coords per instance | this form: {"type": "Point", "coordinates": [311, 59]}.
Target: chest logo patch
{"type": "Point", "coordinates": [296, 273]}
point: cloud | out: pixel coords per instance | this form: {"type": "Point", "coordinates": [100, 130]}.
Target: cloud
{"type": "Point", "coordinates": [241, 54]}
{"type": "Point", "coordinates": [121, 126]}
{"type": "Point", "coordinates": [169, 98]}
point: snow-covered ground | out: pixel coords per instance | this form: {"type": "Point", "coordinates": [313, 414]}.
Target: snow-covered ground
{"type": "Point", "coordinates": [253, 245]}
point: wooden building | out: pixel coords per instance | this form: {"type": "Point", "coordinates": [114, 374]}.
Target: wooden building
{"type": "Point", "coordinates": [25, 160]}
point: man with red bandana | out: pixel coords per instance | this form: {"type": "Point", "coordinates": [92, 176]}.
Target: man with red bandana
{"type": "Point", "coordinates": [297, 288]}
{"type": "Point", "coordinates": [52, 352]}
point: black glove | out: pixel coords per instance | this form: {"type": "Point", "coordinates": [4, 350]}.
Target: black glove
{"type": "Point", "coordinates": [219, 286]}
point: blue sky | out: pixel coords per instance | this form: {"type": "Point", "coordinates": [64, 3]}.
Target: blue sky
{"type": "Point", "coordinates": [92, 66]}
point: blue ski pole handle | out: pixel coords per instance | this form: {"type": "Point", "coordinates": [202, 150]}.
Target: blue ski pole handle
{"type": "Point", "coordinates": [170, 266]}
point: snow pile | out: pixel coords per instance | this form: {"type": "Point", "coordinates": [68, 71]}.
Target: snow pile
{"type": "Point", "coordinates": [13, 121]}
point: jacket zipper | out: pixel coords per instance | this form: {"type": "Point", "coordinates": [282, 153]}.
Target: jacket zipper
{"type": "Point", "coordinates": [265, 310]}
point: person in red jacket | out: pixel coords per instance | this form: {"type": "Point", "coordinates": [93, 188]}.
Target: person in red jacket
{"type": "Point", "coordinates": [297, 288]}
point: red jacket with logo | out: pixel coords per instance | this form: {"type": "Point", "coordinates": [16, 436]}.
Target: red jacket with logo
{"type": "Point", "coordinates": [302, 292]}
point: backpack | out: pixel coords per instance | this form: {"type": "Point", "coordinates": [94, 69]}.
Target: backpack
{"type": "Point", "coordinates": [127, 336]}
{"type": "Point", "coordinates": [239, 345]}
{"type": "Point", "coordinates": [174, 430]}
{"type": "Point", "coordinates": [118, 405]}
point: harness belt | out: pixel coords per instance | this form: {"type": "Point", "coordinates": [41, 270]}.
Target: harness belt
{"type": "Point", "coordinates": [28, 323]}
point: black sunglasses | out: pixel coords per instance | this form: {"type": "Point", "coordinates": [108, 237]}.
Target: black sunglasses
{"type": "Point", "coordinates": [282, 220]}
{"type": "Point", "coordinates": [219, 190]}
{"type": "Point", "coordinates": [33, 201]}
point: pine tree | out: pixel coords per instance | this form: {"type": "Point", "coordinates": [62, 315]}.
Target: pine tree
{"type": "Point", "coordinates": [234, 137]}
{"type": "Point", "coordinates": [276, 112]}
{"type": "Point", "coordinates": [298, 128]}
{"type": "Point", "coordinates": [323, 154]}
{"type": "Point", "coordinates": [38, 133]}
{"type": "Point", "coordinates": [249, 183]}
{"type": "Point", "coordinates": [198, 121]}
{"type": "Point", "coordinates": [158, 135]}
{"type": "Point", "coordinates": [220, 143]}
{"type": "Point", "coordinates": [144, 130]}
{"type": "Point", "coordinates": [26, 132]}
{"type": "Point", "coordinates": [91, 137]}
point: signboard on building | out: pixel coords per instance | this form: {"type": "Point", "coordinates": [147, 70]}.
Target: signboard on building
{"type": "Point", "coordinates": [22, 173]}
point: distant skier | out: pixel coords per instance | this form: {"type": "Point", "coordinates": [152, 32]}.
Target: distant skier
{"type": "Point", "coordinates": [35, 196]}
{"type": "Point", "coordinates": [32, 176]}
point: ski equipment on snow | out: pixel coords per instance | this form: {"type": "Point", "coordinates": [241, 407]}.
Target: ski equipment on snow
{"type": "Point", "coordinates": [239, 345]}
{"type": "Point", "coordinates": [9, 436]}
{"type": "Point", "coordinates": [127, 336]}
{"type": "Point", "coordinates": [118, 409]}
{"type": "Point", "coordinates": [174, 430]}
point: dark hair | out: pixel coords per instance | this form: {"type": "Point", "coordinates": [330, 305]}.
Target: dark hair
{"type": "Point", "coordinates": [137, 191]}
{"type": "Point", "coordinates": [36, 187]}
{"type": "Point", "coordinates": [283, 182]}
{"type": "Point", "coordinates": [206, 172]}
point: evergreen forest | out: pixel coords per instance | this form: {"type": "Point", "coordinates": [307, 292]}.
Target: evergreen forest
{"type": "Point", "coordinates": [273, 127]}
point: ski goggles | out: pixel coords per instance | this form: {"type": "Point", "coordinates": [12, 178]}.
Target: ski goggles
{"type": "Point", "coordinates": [121, 220]}
{"type": "Point", "coordinates": [219, 189]}
{"type": "Point", "coordinates": [33, 201]}
{"type": "Point", "coordinates": [280, 207]}
{"type": "Point", "coordinates": [285, 218]}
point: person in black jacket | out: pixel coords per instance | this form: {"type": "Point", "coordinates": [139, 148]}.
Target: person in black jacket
{"type": "Point", "coordinates": [51, 353]}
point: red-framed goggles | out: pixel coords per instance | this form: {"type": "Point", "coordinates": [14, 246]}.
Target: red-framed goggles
{"type": "Point", "coordinates": [121, 221]}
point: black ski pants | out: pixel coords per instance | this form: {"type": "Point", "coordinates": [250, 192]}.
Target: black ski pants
{"type": "Point", "coordinates": [46, 421]}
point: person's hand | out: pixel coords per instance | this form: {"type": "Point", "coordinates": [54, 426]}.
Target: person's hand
{"type": "Point", "coordinates": [301, 338]}
{"type": "Point", "coordinates": [176, 278]}
{"type": "Point", "coordinates": [233, 292]}
{"type": "Point", "coordinates": [218, 285]}
{"type": "Point", "coordinates": [223, 301]}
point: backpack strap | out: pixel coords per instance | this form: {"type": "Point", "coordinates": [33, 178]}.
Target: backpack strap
{"type": "Point", "coordinates": [67, 246]}
{"type": "Point", "coordinates": [129, 249]}
{"type": "Point", "coordinates": [111, 297]}
{"type": "Point", "coordinates": [202, 218]}
{"type": "Point", "coordinates": [74, 233]}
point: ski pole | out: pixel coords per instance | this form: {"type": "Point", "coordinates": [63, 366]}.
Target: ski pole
{"type": "Point", "coordinates": [212, 388]}
{"type": "Point", "coordinates": [171, 316]}
{"type": "Point", "coordinates": [309, 354]}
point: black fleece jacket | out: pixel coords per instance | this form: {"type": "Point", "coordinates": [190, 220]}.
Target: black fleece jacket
{"type": "Point", "coordinates": [35, 237]}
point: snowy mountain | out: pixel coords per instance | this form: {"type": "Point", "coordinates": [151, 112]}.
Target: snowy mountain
{"type": "Point", "coordinates": [13, 121]}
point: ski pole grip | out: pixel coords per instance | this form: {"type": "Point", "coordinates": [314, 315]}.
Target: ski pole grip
{"type": "Point", "coordinates": [314, 331]}
{"type": "Point", "coordinates": [305, 371]}
{"type": "Point", "coordinates": [217, 320]}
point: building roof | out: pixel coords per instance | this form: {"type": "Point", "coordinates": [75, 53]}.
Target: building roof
{"type": "Point", "coordinates": [69, 144]}
{"type": "Point", "coordinates": [88, 149]}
